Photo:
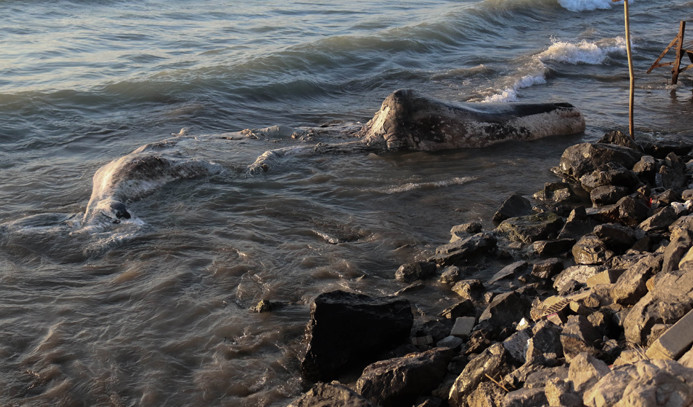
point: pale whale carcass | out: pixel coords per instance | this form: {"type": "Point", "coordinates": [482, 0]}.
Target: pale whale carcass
{"type": "Point", "coordinates": [410, 121]}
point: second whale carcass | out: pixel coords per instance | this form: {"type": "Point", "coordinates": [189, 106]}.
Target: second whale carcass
{"type": "Point", "coordinates": [408, 120]}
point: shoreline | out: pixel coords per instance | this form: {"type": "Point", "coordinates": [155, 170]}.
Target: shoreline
{"type": "Point", "coordinates": [591, 304]}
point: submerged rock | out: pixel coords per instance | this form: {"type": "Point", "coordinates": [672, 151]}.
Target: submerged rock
{"type": "Point", "coordinates": [349, 330]}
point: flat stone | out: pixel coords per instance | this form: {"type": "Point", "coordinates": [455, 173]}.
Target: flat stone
{"type": "Point", "coordinates": [463, 327]}
{"type": "Point", "coordinates": [660, 221]}
{"type": "Point", "coordinates": [510, 271]}
{"type": "Point", "coordinates": [527, 229]}
{"type": "Point", "coordinates": [687, 260]}
{"type": "Point", "coordinates": [399, 381]}
{"type": "Point", "coordinates": [505, 310]}
{"type": "Point", "coordinates": [541, 377]}
{"type": "Point", "coordinates": [451, 342]}
{"type": "Point", "coordinates": [675, 341]}
{"type": "Point", "coordinates": [516, 345]}
{"type": "Point", "coordinates": [574, 277]}
{"type": "Point", "coordinates": [331, 395]}
{"type": "Point", "coordinates": [461, 309]}
{"type": "Point", "coordinates": [463, 231]}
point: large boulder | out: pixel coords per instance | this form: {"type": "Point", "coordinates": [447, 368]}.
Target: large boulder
{"type": "Point", "coordinates": [349, 330]}
{"type": "Point", "coordinates": [495, 361]}
{"type": "Point", "coordinates": [581, 159]}
{"type": "Point", "coordinates": [530, 228]}
{"type": "Point", "coordinates": [647, 383]}
{"type": "Point", "coordinates": [331, 395]}
{"type": "Point", "coordinates": [515, 205]}
{"type": "Point", "coordinates": [399, 381]}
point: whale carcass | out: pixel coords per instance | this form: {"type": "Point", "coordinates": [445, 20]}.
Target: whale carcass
{"type": "Point", "coordinates": [409, 121]}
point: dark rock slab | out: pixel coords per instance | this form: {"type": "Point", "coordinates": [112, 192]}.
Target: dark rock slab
{"type": "Point", "coordinates": [586, 370]}
{"type": "Point", "coordinates": [660, 221]}
{"type": "Point", "coordinates": [525, 398]}
{"type": "Point", "coordinates": [578, 336]}
{"type": "Point", "coordinates": [610, 174]}
{"type": "Point", "coordinates": [581, 159]}
{"type": "Point", "coordinates": [608, 194]}
{"type": "Point", "coordinates": [544, 348]}
{"type": "Point", "coordinates": [512, 270]}
{"type": "Point", "coordinates": [632, 210]}
{"type": "Point", "coordinates": [349, 330]}
{"type": "Point", "coordinates": [590, 249]}
{"type": "Point", "coordinates": [546, 269]}
{"type": "Point", "coordinates": [630, 286]}
{"type": "Point", "coordinates": [552, 248]}
{"type": "Point", "coordinates": [619, 138]}
{"type": "Point", "coordinates": [615, 236]}
{"type": "Point", "coordinates": [527, 229]}
{"type": "Point", "coordinates": [646, 169]}
{"type": "Point", "coordinates": [494, 362]}
{"type": "Point", "coordinates": [515, 205]}
{"type": "Point", "coordinates": [331, 395]}
{"type": "Point", "coordinates": [464, 250]}
{"type": "Point", "coordinates": [419, 270]}
{"type": "Point", "coordinates": [650, 383]}
{"type": "Point", "coordinates": [400, 381]}
{"type": "Point", "coordinates": [505, 310]}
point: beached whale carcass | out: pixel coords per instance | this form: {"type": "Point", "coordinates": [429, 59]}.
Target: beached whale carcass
{"type": "Point", "coordinates": [409, 121]}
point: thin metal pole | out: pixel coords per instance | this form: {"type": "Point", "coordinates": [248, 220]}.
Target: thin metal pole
{"type": "Point", "coordinates": [630, 71]}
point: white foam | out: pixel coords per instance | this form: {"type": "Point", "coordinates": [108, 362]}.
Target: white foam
{"type": "Point", "coordinates": [534, 72]}
{"type": "Point", "coordinates": [428, 185]}
{"type": "Point", "coordinates": [588, 5]}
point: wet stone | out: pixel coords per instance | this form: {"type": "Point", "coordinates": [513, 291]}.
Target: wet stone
{"type": "Point", "coordinates": [471, 289]}
{"type": "Point", "coordinates": [415, 271]}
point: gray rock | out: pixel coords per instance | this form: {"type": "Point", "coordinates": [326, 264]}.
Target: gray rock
{"type": "Point", "coordinates": [419, 270]}
{"type": "Point", "coordinates": [546, 269]}
{"type": "Point", "coordinates": [465, 249]}
{"type": "Point", "coordinates": [544, 348]}
{"type": "Point", "coordinates": [616, 237]}
{"type": "Point", "coordinates": [347, 329]}
{"type": "Point", "coordinates": [505, 310]}
{"type": "Point", "coordinates": [494, 362]}
{"type": "Point", "coordinates": [680, 242]}
{"type": "Point", "coordinates": [512, 270]}
{"type": "Point", "coordinates": [581, 159]}
{"type": "Point", "coordinates": [525, 398]}
{"type": "Point", "coordinates": [674, 341]}
{"type": "Point", "coordinates": [660, 221]}
{"type": "Point", "coordinates": [515, 205]}
{"type": "Point", "coordinates": [607, 194]}
{"type": "Point", "coordinates": [577, 224]}
{"type": "Point", "coordinates": [450, 275]}
{"type": "Point", "coordinates": [574, 277]}
{"type": "Point", "coordinates": [619, 138]}
{"type": "Point", "coordinates": [463, 231]}
{"type": "Point", "coordinates": [541, 377]}
{"type": "Point", "coordinates": [630, 286]}
{"type": "Point", "coordinates": [560, 393]}
{"type": "Point", "coordinates": [646, 169]}
{"type": "Point", "coordinates": [591, 250]}
{"type": "Point", "coordinates": [451, 342]}
{"type": "Point", "coordinates": [579, 336]}
{"type": "Point", "coordinates": [463, 327]}
{"type": "Point", "coordinates": [469, 289]}
{"type": "Point", "coordinates": [399, 381]}
{"type": "Point", "coordinates": [330, 395]}
{"type": "Point", "coordinates": [631, 210]}
{"type": "Point", "coordinates": [554, 247]}
{"type": "Point", "coordinates": [586, 370]}
{"type": "Point", "coordinates": [516, 345]}
{"type": "Point", "coordinates": [487, 394]}
{"type": "Point", "coordinates": [687, 359]}
{"type": "Point", "coordinates": [610, 174]}
{"type": "Point", "coordinates": [527, 229]}
{"type": "Point", "coordinates": [670, 298]}
{"type": "Point", "coordinates": [461, 309]}
{"type": "Point", "coordinates": [647, 383]}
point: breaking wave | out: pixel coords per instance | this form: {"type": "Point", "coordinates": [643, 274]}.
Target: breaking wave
{"type": "Point", "coordinates": [587, 5]}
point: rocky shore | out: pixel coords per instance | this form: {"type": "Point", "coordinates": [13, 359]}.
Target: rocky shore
{"type": "Point", "coordinates": [590, 303]}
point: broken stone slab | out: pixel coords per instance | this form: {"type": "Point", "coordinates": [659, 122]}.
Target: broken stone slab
{"type": "Point", "coordinates": [451, 342]}
{"type": "Point", "coordinates": [512, 270]}
{"type": "Point", "coordinates": [419, 270]}
{"type": "Point", "coordinates": [645, 383]}
{"type": "Point", "coordinates": [505, 310]}
{"type": "Point", "coordinates": [591, 250]}
{"type": "Point", "coordinates": [525, 398]}
{"type": "Point", "coordinates": [349, 330]}
{"type": "Point", "coordinates": [544, 347]}
{"type": "Point", "coordinates": [516, 345]}
{"type": "Point", "coordinates": [515, 205]}
{"type": "Point", "coordinates": [575, 277]}
{"type": "Point", "coordinates": [660, 221]}
{"type": "Point", "coordinates": [632, 210]}
{"type": "Point", "coordinates": [462, 231]}
{"type": "Point", "coordinates": [670, 298]}
{"type": "Point", "coordinates": [578, 336]}
{"type": "Point", "coordinates": [553, 247]}
{"type": "Point", "coordinates": [470, 289]}
{"type": "Point", "coordinates": [332, 394]}
{"type": "Point", "coordinates": [463, 327]}
{"type": "Point", "coordinates": [608, 194]}
{"type": "Point", "coordinates": [546, 269]}
{"type": "Point", "coordinates": [463, 250]}
{"type": "Point", "coordinates": [461, 309]}
{"type": "Point", "coordinates": [616, 237]}
{"type": "Point", "coordinates": [586, 370]}
{"type": "Point", "coordinates": [399, 381]}
{"type": "Point", "coordinates": [527, 229]}
{"type": "Point", "coordinates": [630, 286]}
{"type": "Point", "coordinates": [493, 362]}
{"type": "Point", "coordinates": [581, 159]}
{"type": "Point", "coordinates": [675, 341]}
{"type": "Point", "coordinates": [608, 276]}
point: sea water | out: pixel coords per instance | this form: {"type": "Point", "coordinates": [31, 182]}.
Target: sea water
{"type": "Point", "coordinates": [154, 309]}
